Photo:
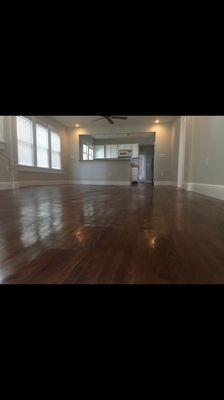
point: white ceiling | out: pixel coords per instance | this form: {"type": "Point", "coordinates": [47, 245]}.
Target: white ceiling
{"type": "Point", "coordinates": [70, 121]}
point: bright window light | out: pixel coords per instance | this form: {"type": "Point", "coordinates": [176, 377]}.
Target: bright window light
{"type": "Point", "coordinates": [42, 146]}
{"type": "Point", "coordinates": [25, 141]}
{"type": "Point", "coordinates": [55, 150]}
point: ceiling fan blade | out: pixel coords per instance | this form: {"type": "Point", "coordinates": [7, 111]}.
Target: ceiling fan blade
{"type": "Point", "coordinates": [98, 119]}
{"type": "Point", "coordinates": [109, 120]}
{"type": "Point", "coordinates": [118, 117]}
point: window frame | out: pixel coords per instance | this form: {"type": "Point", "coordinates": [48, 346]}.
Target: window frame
{"type": "Point", "coordinates": [35, 167]}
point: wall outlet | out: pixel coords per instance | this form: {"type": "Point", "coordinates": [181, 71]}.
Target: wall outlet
{"type": "Point", "coordinates": [162, 155]}
{"type": "Point", "coordinates": [206, 162]}
{"type": "Point", "coordinates": [109, 174]}
{"type": "Point", "coordinates": [162, 173]}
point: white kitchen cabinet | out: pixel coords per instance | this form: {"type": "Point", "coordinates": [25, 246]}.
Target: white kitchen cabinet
{"type": "Point", "coordinates": [135, 150]}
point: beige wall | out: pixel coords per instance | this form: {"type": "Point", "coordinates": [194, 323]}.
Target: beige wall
{"type": "Point", "coordinates": [205, 141]}
{"type": "Point", "coordinates": [175, 149]}
{"type": "Point", "coordinates": [163, 167]}
{"type": "Point", "coordinates": [8, 150]}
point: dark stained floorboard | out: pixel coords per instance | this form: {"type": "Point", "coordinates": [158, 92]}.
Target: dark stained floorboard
{"type": "Point", "coordinates": [110, 234]}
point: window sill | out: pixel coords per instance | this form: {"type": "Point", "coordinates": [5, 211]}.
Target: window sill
{"type": "Point", "coordinates": [40, 170]}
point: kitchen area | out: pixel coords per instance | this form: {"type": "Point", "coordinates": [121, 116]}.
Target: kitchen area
{"type": "Point", "coordinates": [135, 150]}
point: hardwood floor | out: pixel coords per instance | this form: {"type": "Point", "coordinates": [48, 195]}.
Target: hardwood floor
{"type": "Point", "coordinates": [110, 234]}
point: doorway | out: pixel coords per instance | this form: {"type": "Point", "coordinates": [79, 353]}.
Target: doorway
{"type": "Point", "coordinates": [146, 162]}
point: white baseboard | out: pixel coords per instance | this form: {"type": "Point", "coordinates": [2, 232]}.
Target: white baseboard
{"type": "Point", "coordinates": [84, 182]}
{"type": "Point", "coordinates": [173, 183]}
{"type": "Point", "coordinates": [216, 191]}
{"type": "Point", "coordinates": [17, 185]}
{"type": "Point", "coordinates": [41, 183]}
{"type": "Point", "coordinates": [165, 183]}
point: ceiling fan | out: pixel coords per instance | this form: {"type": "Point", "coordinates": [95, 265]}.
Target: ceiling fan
{"type": "Point", "coordinates": [109, 118]}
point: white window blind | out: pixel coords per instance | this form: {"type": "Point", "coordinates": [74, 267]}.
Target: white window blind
{"type": "Point", "coordinates": [42, 138]}
{"type": "Point", "coordinates": [111, 151]}
{"type": "Point", "coordinates": [85, 152]}
{"type": "Point", "coordinates": [25, 141]}
{"type": "Point", "coordinates": [55, 150]}
{"type": "Point", "coordinates": [90, 153]}
{"type": "Point", "coordinates": [99, 151]}
{"type": "Point", "coordinates": [114, 151]}
{"type": "Point", "coordinates": [108, 151]}
{"type": "Point", "coordinates": [1, 128]}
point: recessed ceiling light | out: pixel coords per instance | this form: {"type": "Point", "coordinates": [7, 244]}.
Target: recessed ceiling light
{"type": "Point", "coordinates": [77, 125]}
{"type": "Point", "coordinates": [157, 121]}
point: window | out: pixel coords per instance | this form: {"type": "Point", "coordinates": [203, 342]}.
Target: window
{"type": "Point", "coordinates": [38, 146]}
{"type": "Point", "coordinates": [115, 151]}
{"type": "Point", "coordinates": [1, 128]}
{"type": "Point", "coordinates": [99, 151]}
{"type": "Point", "coordinates": [87, 152]}
{"type": "Point", "coordinates": [90, 152]}
{"type": "Point", "coordinates": [42, 138]}
{"type": "Point", "coordinates": [25, 141]}
{"type": "Point", "coordinates": [55, 150]}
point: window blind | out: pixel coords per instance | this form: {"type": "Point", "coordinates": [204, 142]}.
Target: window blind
{"type": "Point", "coordinates": [42, 146]}
{"type": "Point", "coordinates": [55, 150]}
{"type": "Point", "coordinates": [25, 141]}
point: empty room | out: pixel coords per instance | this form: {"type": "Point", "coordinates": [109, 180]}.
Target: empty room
{"type": "Point", "coordinates": [116, 199]}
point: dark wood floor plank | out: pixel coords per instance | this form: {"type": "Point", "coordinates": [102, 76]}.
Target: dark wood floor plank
{"type": "Point", "coordinates": [77, 234]}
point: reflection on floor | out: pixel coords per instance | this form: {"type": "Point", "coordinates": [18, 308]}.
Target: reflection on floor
{"type": "Point", "coordinates": [110, 234]}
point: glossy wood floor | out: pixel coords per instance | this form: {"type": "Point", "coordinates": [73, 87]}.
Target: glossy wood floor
{"type": "Point", "coordinates": [110, 234]}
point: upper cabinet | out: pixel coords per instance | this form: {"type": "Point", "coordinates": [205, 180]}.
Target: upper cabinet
{"type": "Point", "coordinates": [135, 150]}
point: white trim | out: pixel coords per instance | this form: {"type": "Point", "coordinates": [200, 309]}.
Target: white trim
{"type": "Point", "coordinates": [165, 183]}
{"type": "Point", "coordinates": [84, 182]}
{"type": "Point", "coordinates": [216, 191]}
{"type": "Point", "coordinates": [17, 185]}
{"type": "Point", "coordinates": [181, 155]}
{"type": "Point", "coordinates": [42, 183]}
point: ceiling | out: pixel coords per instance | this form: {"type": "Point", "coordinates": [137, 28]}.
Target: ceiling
{"type": "Point", "coordinates": [70, 121]}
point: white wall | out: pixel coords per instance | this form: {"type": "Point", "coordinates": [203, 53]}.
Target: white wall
{"type": "Point", "coordinates": [204, 155]}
